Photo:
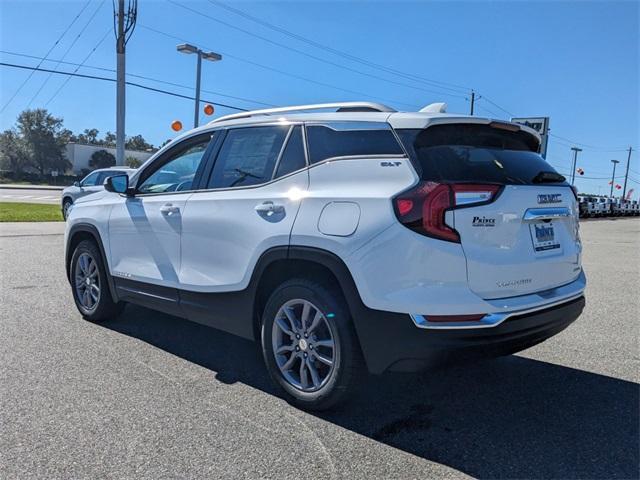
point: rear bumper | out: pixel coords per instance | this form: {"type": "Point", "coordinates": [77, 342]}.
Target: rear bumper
{"type": "Point", "coordinates": [393, 341]}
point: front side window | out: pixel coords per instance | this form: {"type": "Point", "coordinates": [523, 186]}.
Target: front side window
{"type": "Point", "coordinates": [90, 180]}
{"type": "Point", "coordinates": [248, 156]}
{"type": "Point", "coordinates": [348, 139]}
{"type": "Point", "coordinates": [177, 173]}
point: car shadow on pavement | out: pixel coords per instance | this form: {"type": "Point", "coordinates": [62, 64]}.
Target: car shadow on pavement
{"type": "Point", "coordinates": [511, 417]}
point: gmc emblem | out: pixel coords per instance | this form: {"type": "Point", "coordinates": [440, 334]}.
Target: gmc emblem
{"type": "Point", "coordinates": [550, 198]}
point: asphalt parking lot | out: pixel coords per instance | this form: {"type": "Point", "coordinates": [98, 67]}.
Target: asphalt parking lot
{"type": "Point", "coordinates": [148, 395]}
{"type": "Point", "coordinates": [24, 194]}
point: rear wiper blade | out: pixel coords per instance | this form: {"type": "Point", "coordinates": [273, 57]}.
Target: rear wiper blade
{"type": "Point", "coordinates": [548, 177]}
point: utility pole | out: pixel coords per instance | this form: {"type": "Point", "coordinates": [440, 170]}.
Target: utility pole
{"type": "Point", "coordinates": [575, 160]}
{"type": "Point", "coordinates": [196, 114]}
{"type": "Point", "coordinates": [624, 189]}
{"type": "Point", "coordinates": [613, 177]}
{"type": "Point", "coordinates": [124, 23]}
{"type": "Point", "coordinates": [473, 100]}
{"type": "Point", "coordinates": [212, 56]}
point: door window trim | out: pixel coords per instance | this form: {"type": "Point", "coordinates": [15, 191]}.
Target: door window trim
{"type": "Point", "coordinates": [169, 154]}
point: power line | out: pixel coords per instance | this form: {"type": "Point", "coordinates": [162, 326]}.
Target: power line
{"type": "Point", "coordinates": [86, 25]}
{"type": "Point", "coordinates": [486, 99]}
{"type": "Point", "coordinates": [143, 77]}
{"type": "Point", "coordinates": [46, 55]}
{"type": "Point", "coordinates": [282, 72]}
{"type": "Point", "coordinates": [444, 85]}
{"type": "Point", "coordinates": [309, 55]}
{"type": "Point", "coordinates": [113, 80]}
{"type": "Point", "coordinates": [586, 146]}
{"type": "Point", "coordinates": [78, 67]}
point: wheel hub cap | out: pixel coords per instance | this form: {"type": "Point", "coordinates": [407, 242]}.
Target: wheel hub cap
{"type": "Point", "coordinates": [303, 344]}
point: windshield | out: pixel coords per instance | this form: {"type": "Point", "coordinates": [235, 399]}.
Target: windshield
{"type": "Point", "coordinates": [477, 153]}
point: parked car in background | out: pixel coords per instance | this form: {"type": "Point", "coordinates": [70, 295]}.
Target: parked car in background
{"type": "Point", "coordinates": [90, 184]}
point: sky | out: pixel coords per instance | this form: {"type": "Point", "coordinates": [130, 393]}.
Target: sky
{"type": "Point", "coordinates": [576, 62]}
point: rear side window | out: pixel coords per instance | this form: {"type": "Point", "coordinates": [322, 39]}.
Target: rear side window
{"type": "Point", "coordinates": [292, 158]}
{"type": "Point", "coordinates": [346, 139]}
{"type": "Point", "coordinates": [477, 153]}
{"type": "Point", "coordinates": [104, 175]}
{"type": "Point", "coordinates": [247, 156]}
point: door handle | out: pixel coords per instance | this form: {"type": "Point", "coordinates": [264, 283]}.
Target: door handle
{"type": "Point", "coordinates": [269, 208]}
{"type": "Point", "coordinates": [168, 209]}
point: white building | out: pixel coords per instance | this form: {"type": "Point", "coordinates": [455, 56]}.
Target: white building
{"type": "Point", "coordinates": [79, 155]}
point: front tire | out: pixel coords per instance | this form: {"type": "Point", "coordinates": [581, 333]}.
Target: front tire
{"type": "Point", "coordinates": [66, 206]}
{"type": "Point", "coordinates": [90, 285]}
{"type": "Point", "coordinates": [309, 344]}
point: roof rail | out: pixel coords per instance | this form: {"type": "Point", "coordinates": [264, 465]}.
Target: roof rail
{"type": "Point", "coordinates": [339, 106]}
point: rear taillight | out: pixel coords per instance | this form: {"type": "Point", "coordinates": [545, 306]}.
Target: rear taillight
{"type": "Point", "coordinates": [423, 208]}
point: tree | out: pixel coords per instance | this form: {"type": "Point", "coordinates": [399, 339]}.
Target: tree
{"type": "Point", "coordinates": [89, 136]}
{"type": "Point", "coordinates": [132, 162]}
{"type": "Point", "coordinates": [109, 140]}
{"type": "Point", "coordinates": [138, 143]}
{"type": "Point", "coordinates": [102, 159]}
{"type": "Point", "coordinates": [44, 145]}
{"type": "Point", "coordinates": [67, 136]}
{"type": "Point", "coordinates": [12, 153]}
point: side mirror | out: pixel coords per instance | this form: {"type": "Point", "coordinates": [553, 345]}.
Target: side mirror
{"type": "Point", "coordinates": [76, 183]}
{"type": "Point", "coordinates": [117, 184]}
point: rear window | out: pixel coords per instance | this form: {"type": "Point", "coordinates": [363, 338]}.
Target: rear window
{"type": "Point", "coordinates": [477, 153]}
{"type": "Point", "coordinates": [347, 139]}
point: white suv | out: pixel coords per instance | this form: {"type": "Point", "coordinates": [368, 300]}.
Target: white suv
{"type": "Point", "coordinates": [357, 238]}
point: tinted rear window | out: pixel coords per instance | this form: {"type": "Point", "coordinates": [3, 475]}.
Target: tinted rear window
{"type": "Point", "coordinates": [344, 140]}
{"type": "Point", "coordinates": [477, 153]}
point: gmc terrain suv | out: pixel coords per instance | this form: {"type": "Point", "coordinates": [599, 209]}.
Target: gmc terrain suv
{"type": "Point", "coordinates": [340, 237]}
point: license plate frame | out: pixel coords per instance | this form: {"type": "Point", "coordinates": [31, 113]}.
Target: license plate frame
{"type": "Point", "coordinates": [543, 237]}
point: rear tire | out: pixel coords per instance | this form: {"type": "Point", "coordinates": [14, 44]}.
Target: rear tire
{"type": "Point", "coordinates": [301, 366]}
{"type": "Point", "coordinates": [90, 285]}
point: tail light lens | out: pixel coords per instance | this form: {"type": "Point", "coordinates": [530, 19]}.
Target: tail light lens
{"type": "Point", "coordinates": [423, 208]}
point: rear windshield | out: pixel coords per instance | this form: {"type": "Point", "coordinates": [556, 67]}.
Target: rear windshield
{"type": "Point", "coordinates": [477, 153]}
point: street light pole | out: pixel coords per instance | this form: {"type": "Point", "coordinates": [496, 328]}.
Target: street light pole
{"type": "Point", "coordinates": [626, 175]}
{"type": "Point", "coordinates": [575, 160]}
{"type": "Point", "coordinates": [212, 56]}
{"type": "Point", "coordinates": [613, 177]}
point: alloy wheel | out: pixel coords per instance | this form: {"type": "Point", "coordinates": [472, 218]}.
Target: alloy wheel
{"type": "Point", "coordinates": [87, 281]}
{"type": "Point", "coordinates": [304, 345]}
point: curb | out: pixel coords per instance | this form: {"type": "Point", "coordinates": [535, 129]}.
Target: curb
{"type": "Point", "coordinates": [29, 187]}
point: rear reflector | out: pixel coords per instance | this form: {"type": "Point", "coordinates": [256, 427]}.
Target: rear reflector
{"type": "Point", "coordinates": [455, 318]}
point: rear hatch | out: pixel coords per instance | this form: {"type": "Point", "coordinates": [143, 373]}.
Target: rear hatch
{"type": "Point", "coordinates": [514, 215]}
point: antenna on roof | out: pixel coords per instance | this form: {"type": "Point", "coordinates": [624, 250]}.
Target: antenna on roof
{"type": "Point", "coordinates": [439, 107]}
